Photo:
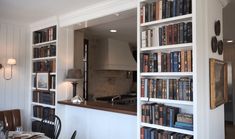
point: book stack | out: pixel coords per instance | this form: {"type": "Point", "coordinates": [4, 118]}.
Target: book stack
{"type": "Point", "coordinates": [151, 133]}
{"type": "Point", "coordinates": [159, 114]}
{"type": "Point", "coordinates": [41, 112]}
{"type": "Point", "coordinates": [45, 51]}
{"type": "Point", "coordinates": [47, 98]}
{"type": "Point", "coordinates": [167, 35]}
{"type": "Point", "coordinates": [36, 96]}
{"type": "Point", "coordinates": [177, 61]}
{"type": "Point", "coordinates": [179, 89]}
{"type": "Point", "coordinates": [154, 88]}
{"type": "Point", "coordinates": [44, 35]}
{"type": "Point", "coordinates": [44, 66]}
{"type": "Point", "coordinates": [184, 121]}
{"type": "Point", "coordinates": [161, 9]}
{"type": "Point", "coordinates": [37, 111]}
{"type": "Point", "coordinates": [36, 126]}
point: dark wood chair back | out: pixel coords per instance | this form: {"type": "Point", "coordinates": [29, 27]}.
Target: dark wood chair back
{"type": "Point", "coordinates": [51, 126]}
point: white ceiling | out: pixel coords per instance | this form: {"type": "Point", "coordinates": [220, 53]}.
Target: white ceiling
{"type": "Point", "coordinates": [125, 24]}
{"type": "Point", "coordinates": [28, 11]}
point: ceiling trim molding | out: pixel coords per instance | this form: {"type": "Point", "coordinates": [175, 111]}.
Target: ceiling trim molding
{"type": "Point", "coordinates": [44, 23]}
{"type": "Point", "coordinates": [95, 11]}
{"type": "Point", "coordinates": [224, 2]}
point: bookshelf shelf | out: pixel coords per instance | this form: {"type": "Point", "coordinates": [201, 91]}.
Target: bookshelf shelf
{"type": "Point", "coordinates": [172, 129]}
{"type": "Point", "coordinates": [44, 58]}
{"type": "Point", "coordinates": [52, 73]}
{"type": "Point", "coordinates": [44, 105]}
{"type": "Point", "coordinates": [173, 47]}
{"type": "Point", "coordinates": [167, 101]}
{"type": "Point", "coordinates": [168, 20]}
{"type": "Point", "coordinates": [37, 119]}
{"type": "Point", "coordinates": [166, 74]}
{"type": "Point", "coordinates": [44, 43]}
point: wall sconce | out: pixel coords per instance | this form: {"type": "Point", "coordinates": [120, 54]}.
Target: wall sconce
{"type": "Point", "coordinates": [10, 62]}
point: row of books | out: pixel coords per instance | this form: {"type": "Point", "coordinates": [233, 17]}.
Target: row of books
{"type": "Point", "coordinates": [42, 112]}
{"type": "Point", "coordinates": [45, 51]}
{"type": "Point", "coordinates": [151, 133]}
{"type": "Point", "coordinates": [44, 66]}
{"type": "Point", "coordinates": [44, 35]}
{"type": "Point", "coordinates": [167, 35]}
{"type": "Point", "coordinates": [44, 97]}
{"type": "Point", "coordinates": [161, 114]}
{"type": "Point", "coordinates": [161, 9]}
{"type": "Point", "coordinates": [179, 89]}
{"type": "Point", "coordinates": [177, 61]}
{"type": "Point", "coordinates": [154, 88]}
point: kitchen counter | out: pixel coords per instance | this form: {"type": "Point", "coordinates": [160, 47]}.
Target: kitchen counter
{"type": "Point", "coordinates": [124, 109]}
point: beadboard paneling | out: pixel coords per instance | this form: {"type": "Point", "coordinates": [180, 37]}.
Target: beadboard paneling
{"type": "Point", "coordinates": [14, 93]}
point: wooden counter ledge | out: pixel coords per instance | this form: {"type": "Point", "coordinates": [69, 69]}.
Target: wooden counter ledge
{"type": "Point", "coordinates": [125, 109]}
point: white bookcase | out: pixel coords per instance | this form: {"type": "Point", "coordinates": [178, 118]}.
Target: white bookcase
{"type": "Point", "coordinates": [184, 106]}
{"type": "Point", "coordinates": [44, 47]}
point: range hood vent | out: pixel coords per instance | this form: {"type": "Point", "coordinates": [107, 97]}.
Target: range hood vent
{"type": "Point", "coordinates": [114, 55]}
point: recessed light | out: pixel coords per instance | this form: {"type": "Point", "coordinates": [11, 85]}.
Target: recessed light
{"type": "Point", "coordinates": [113, 30]}
{"type": "Point", "coordinates": [229, 41]}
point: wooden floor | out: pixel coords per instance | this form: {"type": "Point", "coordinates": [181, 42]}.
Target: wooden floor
{"type": "Point", "coordinates": [230, 131]}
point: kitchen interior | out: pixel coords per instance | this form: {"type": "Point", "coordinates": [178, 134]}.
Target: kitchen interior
{"type": "Point", "coordinates": [111, 65]}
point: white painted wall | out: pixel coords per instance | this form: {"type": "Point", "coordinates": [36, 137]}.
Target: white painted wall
{"type": "Point", "coordinates": [210, 123]}
{"type": "Point", "coordinates": [215, 116]}
{"type": "Point", "coordinates": [14, 42]}
{"type": "Point", "coordinates": [97, 124]}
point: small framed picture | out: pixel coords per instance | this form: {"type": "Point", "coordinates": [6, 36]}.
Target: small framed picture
{"type": "Point", "coordinates": [43, 81]}
{"type": "Point", "coordinates": [218, 83]}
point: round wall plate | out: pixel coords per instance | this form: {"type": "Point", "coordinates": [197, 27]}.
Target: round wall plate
{"type": "Point", "coordinates": [214, 44]}
{"type": "Point", "coordinates": [220, 47]}
{"type": "Point", "coordinates": [217, 28]}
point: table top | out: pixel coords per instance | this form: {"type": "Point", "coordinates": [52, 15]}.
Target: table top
{"type": "Point", "coordinates": [26, 135]}
{"type": "Point", "coordinates": [124, 109]}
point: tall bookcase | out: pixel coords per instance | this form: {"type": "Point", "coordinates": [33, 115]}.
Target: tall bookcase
{"type": "Point", "coordinates": [44, 73]}
{"type": "Point", "coordinates": [166, 73]}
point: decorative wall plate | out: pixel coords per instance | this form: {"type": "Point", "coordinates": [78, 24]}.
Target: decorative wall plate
{"type": "Point", "coordinates": [220, 47]}
{"type": "Point", "coordinates": [217, 28]}
{"type": "Point", "coordinates": [214, 44]}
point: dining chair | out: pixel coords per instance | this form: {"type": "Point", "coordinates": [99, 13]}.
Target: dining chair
{"type": "Point", "coordinates": [51, 126]}
{"type": "Point", "coordinates": [74, 135]}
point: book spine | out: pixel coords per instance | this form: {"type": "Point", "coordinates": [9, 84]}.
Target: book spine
{"type": "Point", "coordinates": [189, 59]}
{"type": "Point", "coordinates": [160, 9]}
{"type": "Point", "coordinates": [142, 87]}
{"type": "Point", "coordinates": [160, 36]}
{"type": "Point", "coordinates": [182, 61]}
{"type": "Point", "coordinates": [164, 9]}
{"type": "Point", "coordinates": [159, 54]}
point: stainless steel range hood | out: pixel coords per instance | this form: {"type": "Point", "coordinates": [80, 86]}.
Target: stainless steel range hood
{"type": "Point", "coordinates": [114, 55]}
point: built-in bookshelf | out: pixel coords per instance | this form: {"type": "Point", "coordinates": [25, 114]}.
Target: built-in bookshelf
{"type": "Point", "coordinates": [44, 73]}
{"type": "Point", "coordinates": [165, 69]}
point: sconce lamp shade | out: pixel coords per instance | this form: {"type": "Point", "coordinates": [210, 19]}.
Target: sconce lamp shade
{"type": "Point", "coordinates": [74, 75]}
{"type": "Point", "coordinates": [11, 61]}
